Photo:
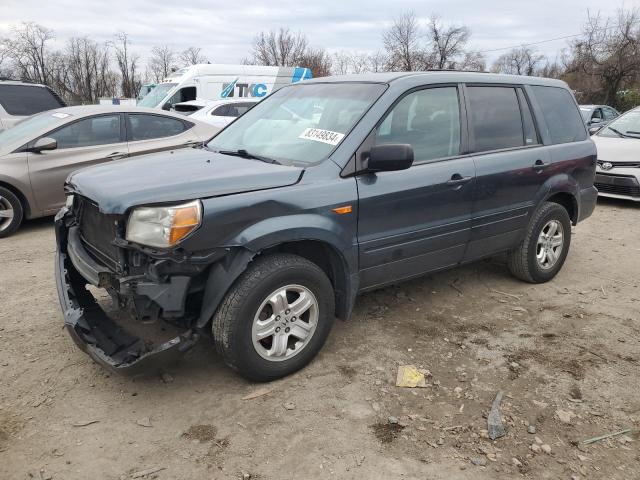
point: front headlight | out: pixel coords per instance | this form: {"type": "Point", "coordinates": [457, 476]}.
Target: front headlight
{"type": "Point", "coordinates": [163, 227]}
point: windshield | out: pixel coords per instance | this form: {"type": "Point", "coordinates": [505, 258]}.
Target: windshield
{"type": "Point", "coordinates": [300, 124]}
{"type": "Point", "coordinates": [26, 130]}
{"type": "Point", "coordinates": [155, 96]}
{"type": "Point", "coordinates": [628, 125]}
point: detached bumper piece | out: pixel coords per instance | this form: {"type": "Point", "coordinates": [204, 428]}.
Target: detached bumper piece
{"type": "Point", "coordinates": [90, 327]}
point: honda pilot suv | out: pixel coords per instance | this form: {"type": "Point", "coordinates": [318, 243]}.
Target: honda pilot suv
{"type": "Point", "coordinates": [323, 190]}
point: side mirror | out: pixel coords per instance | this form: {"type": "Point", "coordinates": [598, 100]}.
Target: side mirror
{"type": "Point", "coordinates": [596, 121]}
{"type": "Point", "coordinates": [42, 144]}
{"type": "Point", "coordinates": [595, 129]}
{"type": "Point", "coordinates": [167, 106]}
{"type": "Point", "coordinates": [391, 157]}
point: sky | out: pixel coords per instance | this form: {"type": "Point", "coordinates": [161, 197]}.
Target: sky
{"type": "Point", "coordinates": [225, 29]}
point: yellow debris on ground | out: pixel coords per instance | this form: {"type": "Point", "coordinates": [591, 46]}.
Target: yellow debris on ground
{"type": "Point", "coordinates": [410, 377]}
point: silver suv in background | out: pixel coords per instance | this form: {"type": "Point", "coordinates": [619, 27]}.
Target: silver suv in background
{"type": "Point", "coordinates": [19, 100]}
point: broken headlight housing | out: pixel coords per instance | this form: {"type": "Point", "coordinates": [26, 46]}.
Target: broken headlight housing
{"type": "Point", "coordinates": [164, 226]}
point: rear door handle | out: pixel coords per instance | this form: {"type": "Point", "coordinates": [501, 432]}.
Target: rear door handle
{"type": "Point", "coordinates": [458, 180]}
{"type": "Point", "coordinates": [116, 155]}
{"type": "Point", "coordinates": [540, 165]}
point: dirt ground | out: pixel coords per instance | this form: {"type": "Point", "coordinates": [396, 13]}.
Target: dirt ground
{"type": "Point", "coordinates": [565, 354]}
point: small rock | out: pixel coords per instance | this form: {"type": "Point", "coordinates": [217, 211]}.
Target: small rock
{"type": "Point", "coordinates": [440, 441]}
{"type": "Point", "coordinates": [564, 416]}
{"type": "Point", "coordinates": [582, 458]}
{"type": "Point", "coordinates": [375, 406]}
{"type": "Point", "coordinates": [246, 476]}
{"type": "Point", "coordinates": [167, 377]}
{"type": "Point", "coordinates": [289, 406]}
{"type": "Point", "coordinates": [393, 420]}
{"type": "Point", "coordinates": [514, 365]}
{"type": "Point", "coordinates": [457, 391]}
{"type": "Point", "coordinates": [144, 422]}
{"type": "Point", "coordinates": [535, 448]}
{"type": "Point", "coordinates": [531, 429]}
{"type": "Point", "coordinates": [516, 462]}
{"type": "Point", "coordinates": [492, 457]}
{"type": "Point", "coordinates": [546, 448]}
{"type": "Point", "coordinates": [479, 461]}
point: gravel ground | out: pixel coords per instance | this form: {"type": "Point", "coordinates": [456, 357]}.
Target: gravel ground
{"type": "Point", "coordinates": [565, 354]}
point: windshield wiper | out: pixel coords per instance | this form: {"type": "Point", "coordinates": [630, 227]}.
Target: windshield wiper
{"type": "Point", "coordinates": [618, 132]}
{"type": "Point", "coordinates": [244, 154]}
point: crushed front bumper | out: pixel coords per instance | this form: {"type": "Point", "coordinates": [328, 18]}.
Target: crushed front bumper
{"type": "Point", "coordinates": [87, 323]}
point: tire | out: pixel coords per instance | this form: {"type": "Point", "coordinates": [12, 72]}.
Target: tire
{"type": "Point", "coordinates": [9, 202]}
{"type": "Point", "coordinates": [247, 311]}
{"type": "Point", "coordinates": [523, 262]}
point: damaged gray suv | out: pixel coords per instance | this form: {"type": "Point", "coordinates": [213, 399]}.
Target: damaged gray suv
{"type": "Point", "coordinates": [325, 189]}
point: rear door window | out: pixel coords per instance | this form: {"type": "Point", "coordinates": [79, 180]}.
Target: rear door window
{"type": "Point", "coordinates": [494, 118]}
{"type": "Point", "coordinates": [237, 109]}
{"type": "Point", "coordinates": [101, 130]}
{"type": "Point", "coordinates": [560, 114]}
{"type": "Point", "coordinates": [221, 111]}
{"type": "Point", "coordinates": [146, 127]}
{"type": "Point", "coordinates": [428, 120]}
{"type": "Point", "coordinates": [23, 100]}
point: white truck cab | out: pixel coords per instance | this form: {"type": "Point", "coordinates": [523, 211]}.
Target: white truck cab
{"type": "Point", "coordinates": [214, 82]}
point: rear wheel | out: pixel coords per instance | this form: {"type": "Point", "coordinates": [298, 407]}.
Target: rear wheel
{"type": "Point", "coordinates": [544, 249]}
{"type": "Point", "coordinates": [275, 318]}
{"type": "Point", "coordinates": [11, 212]}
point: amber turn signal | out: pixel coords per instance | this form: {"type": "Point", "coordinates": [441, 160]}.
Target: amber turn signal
{"type": "Point", "coordinates": [344, 209]}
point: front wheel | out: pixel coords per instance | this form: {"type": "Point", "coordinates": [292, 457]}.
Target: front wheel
{"type": "Point", "coordinates": [11, 212]}
{"type": "Point", "coordinates": [275, 318]}
{"type": "Point", "coordinates": [544, 249]}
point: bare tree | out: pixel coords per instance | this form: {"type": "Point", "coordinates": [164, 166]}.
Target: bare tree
{"type": "Point", "coordinates": [447, 43]}
{"type": "Point", "coordinates": [86, 75]}
{"type": "Point", "coordinates": [192, 56]}
{"type": "Point", "coordinates": [278, 48]}
{"type": "Point", "coordinates": [344, 62]}
{"type": "Point", "coordinates": [473, 61]}
{"type": "Point", "coordinates": [127, 62]}
{"type": "Point", "coordinates": [316, 59]}
{"type": "Point", "coordinates": [161, 63]}
{"type": "Point", "coordinates": [610, 52]}
{"type": "Point", "coordinates": [518, 61]}
{"type": "Point", "coordinates": [402, 44]}
{"type": "Point", "coordinates": [29, 52]}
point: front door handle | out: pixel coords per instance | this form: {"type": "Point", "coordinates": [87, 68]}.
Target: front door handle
{"type": "Point", "coordinates": [116, 155]}
{"type": "Point", "coordinates": [458, 180]}
{"type": "Point", "coordinates": [539, 165]}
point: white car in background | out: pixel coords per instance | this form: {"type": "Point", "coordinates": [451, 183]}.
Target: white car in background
{"type": "Point", "coordinates": [218, 113]}
{"type": "Point", "coordinates": [618, 170]}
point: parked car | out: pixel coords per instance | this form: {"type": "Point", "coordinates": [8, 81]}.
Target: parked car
{"type": "Point", "coordinates": [18, 100]}
{"type": "Point", "coordinates": [220, 113]}
{"type": "Point", "coordinates": [323, 190]}
{"type": "Point", "coordinates": [597, 116]}
{"type": "Point", "coordinates": [38, 154]}
{"type": "Point", "coordinates": [618, 170]}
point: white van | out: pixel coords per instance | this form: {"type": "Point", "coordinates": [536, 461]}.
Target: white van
{"type": "Point", "coordinates": [214, 82]}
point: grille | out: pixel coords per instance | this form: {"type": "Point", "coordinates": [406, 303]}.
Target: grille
{"type": "Point", "coordinates": [98, 231]}
{"type": "Point", "coordinates": [620, 164]}
{"type": "Point", "coordinates": [618, 189]}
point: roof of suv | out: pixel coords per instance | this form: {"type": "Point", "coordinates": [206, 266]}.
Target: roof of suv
{"type": "Point", "coordinates": [9, 81]}
{"type": "Point", "coordinates": [435, 76]}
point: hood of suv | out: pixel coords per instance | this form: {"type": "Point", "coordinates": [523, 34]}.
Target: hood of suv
{"type": "Point", "coordinates": [174, 176]}
{"type": "Point", "coordinates": [618, 150]}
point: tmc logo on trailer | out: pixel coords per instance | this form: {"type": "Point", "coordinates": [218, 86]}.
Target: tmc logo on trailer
{"type": "Point", "coordinates": [235, 89]}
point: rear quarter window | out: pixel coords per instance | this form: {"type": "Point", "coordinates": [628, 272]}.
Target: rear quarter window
{"type": "Point", "coordinates": [23, 100]}
{"type": "Point", "coordinates": [561, 114]}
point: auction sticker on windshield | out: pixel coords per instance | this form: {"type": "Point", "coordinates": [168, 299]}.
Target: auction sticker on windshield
{"type": "Point", "coordinates": [324, 136]}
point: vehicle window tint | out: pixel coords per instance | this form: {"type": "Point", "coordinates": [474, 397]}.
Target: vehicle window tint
{"type": "Point", "coordinates": [27, 100]}
{"type": "Point", "coordinates": [221, 111]}
{"type": "Point", "coordinates": [597, 114]}
{"type": "Point", "coordinates": [428, 120]}
{"type": "Point", "coordinates": [530, 134]}
{"type": "Point", "coordinates": [560, 114]}
{"type": "Point", "coordinates": [495, 118]}
{"type": "Point", "coordinates": [609, 113]}
{"type": "Point", "coordinates": [238, 109]}
{"type": "Point", "coordinates": [101, 130]}
{"type": "Point", "coordinates": [145, 127]}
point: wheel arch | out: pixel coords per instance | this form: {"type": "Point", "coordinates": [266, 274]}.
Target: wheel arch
{"type": "Point", "coordinates": [318, 245]}
{"type": "Point", "coordinates": [568, 201]}
{"type": "Point", "coordinates": [26, 207]}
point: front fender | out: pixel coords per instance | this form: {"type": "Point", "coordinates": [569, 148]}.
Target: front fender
{"type": "Point", "coordinates": [275, 231]}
